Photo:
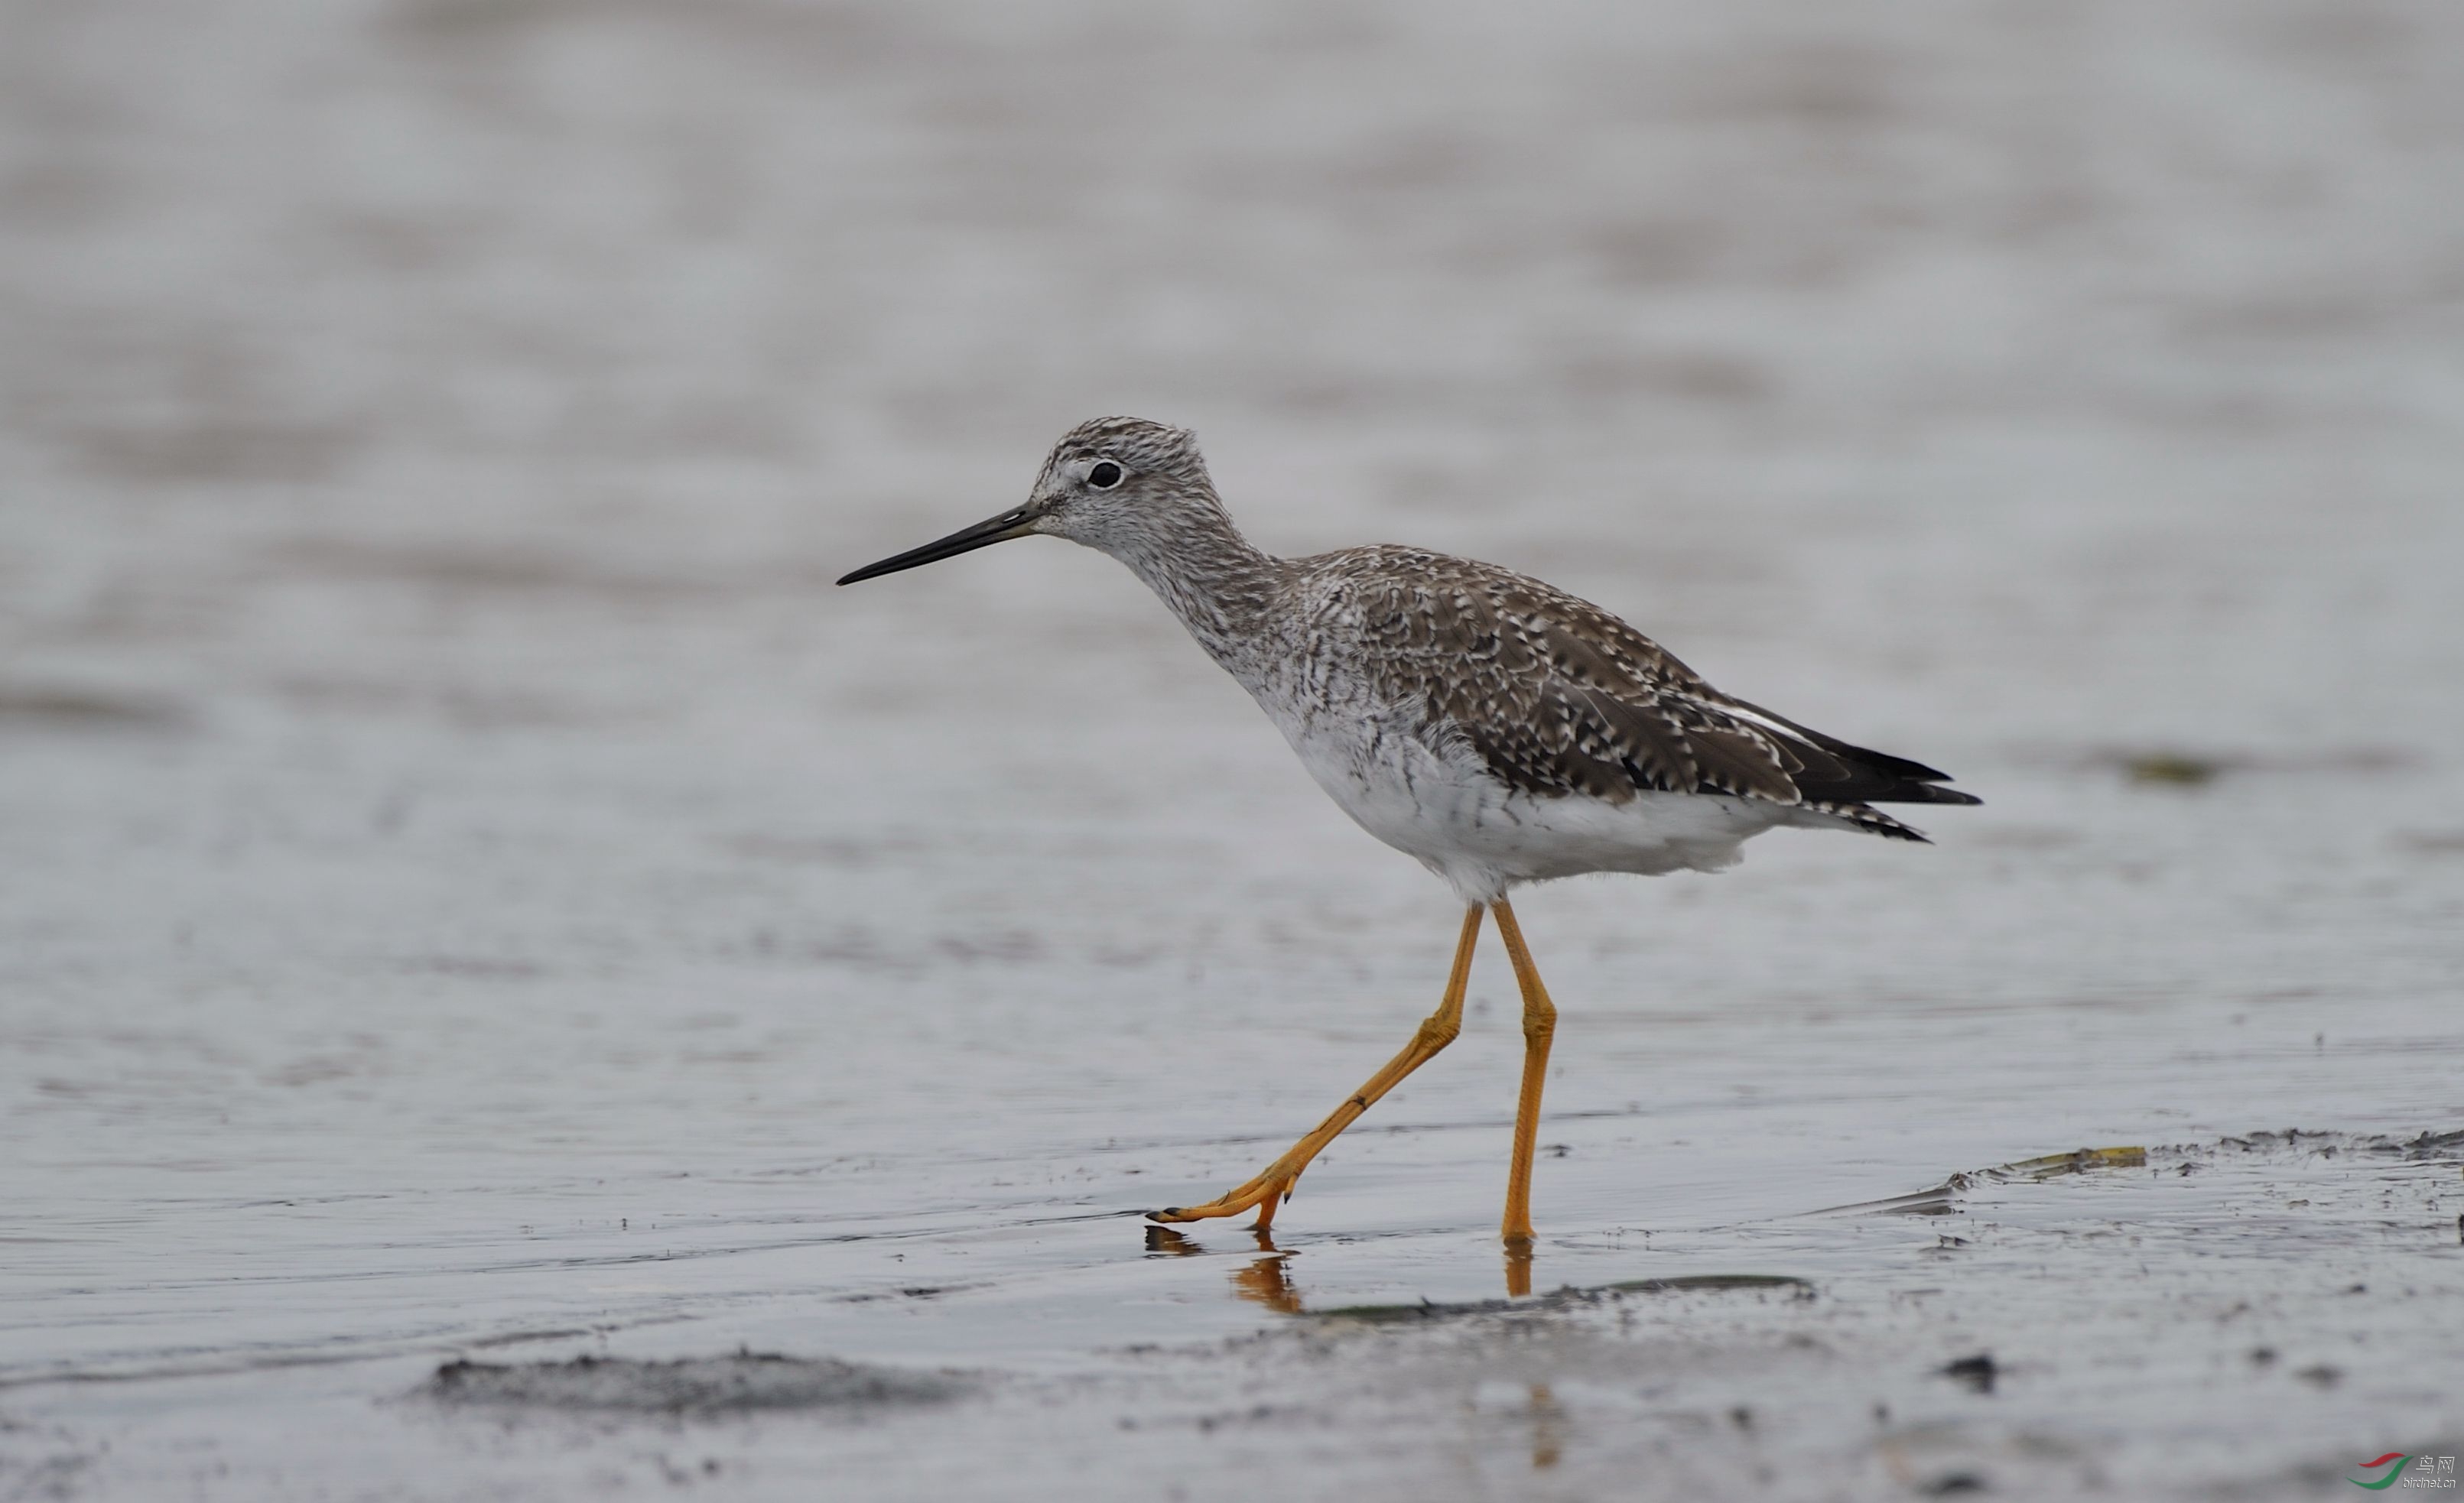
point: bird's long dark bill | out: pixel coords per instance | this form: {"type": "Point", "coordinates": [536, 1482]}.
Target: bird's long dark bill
{"type": "Point", "coordinates": [966, 540]}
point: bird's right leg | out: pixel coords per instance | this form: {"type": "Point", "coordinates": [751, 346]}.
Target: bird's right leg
{"type": "Point", "coordinates": [1268, 1188]}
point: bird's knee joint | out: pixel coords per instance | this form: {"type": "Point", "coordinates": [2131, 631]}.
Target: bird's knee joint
{"type": "Point", "coordinates": [1539, 1028]}
{"type": "Point", "coordinates": [1438, 1033]}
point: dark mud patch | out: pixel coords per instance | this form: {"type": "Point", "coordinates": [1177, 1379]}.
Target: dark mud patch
{"type": "Point", "coordinates": [689, 1387]}
{"type": "Point", "coordinates": [62, 708]}
{"type": "Point", "coordinates": [2423, 1147]}
{"type": "Point", "coordinates": [464, 570]}
{"type": "Point", "coordinates": [2180, 1161]}
{"type": "Point", "coordinates": [1976, 1372]}
{"type": "Point", "coordinates": [228, 452]}
{"type": "Point", "coordinates": [463, 706]}
{"type": "Point", "coordinates": [1940, 1200]}
{"type": "Point", "coordinates": [1571, 1298]}
{"type": "Point", "coordinates": [2177, 767]}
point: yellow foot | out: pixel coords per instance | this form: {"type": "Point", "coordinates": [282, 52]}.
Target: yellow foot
{"type": "Point", "coordinates": [1266, 1192]}
{"type": "Point", "coordinates": [1273, 1188]}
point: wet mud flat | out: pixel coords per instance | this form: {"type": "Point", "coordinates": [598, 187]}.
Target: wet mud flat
{"type": "Point", "coordinates": [511, 987]}
{"type": "Point", "coordinates": [2188, 1322]}
{"type": "Point", "coordinates": [2105, 1337]}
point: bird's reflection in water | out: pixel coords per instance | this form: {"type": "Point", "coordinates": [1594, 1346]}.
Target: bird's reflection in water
{"type": "Point", "coordinates": [1263, 1282]}
{"type": "Point", "coordinates": [1165, 1240]}
{"type": "Point", "coordinates": [1518, 1269]}
{"type": "Point", "coordinates": [1548, 1428]}
{"type": "Point", "coordinates": [1268, 1282]}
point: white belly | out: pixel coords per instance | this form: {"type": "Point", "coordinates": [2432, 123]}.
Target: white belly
{"type": "Point", "coordinates": [1482, 837]}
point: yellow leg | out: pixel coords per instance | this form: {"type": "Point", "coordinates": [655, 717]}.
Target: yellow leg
{"type": "Point", "coordinates": [1268, 1187]}
{"type": "Point", "coordinates": [1539, 1026]}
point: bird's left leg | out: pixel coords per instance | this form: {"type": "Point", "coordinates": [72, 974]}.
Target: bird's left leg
{"type": "Point", "coordinates": [1539, 1028]}
{"type": "Point", "coordinates": [1268, 1187]}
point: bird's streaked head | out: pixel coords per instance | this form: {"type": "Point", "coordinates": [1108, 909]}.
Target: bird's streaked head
{"type": "Point", "coordinates": [1111, 479]}
{"type": "Point", "coordinates": [1113, 484]}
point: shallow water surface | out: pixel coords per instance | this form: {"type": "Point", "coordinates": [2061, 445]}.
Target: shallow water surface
{"type": "Point", "coordinates": [476, 895]}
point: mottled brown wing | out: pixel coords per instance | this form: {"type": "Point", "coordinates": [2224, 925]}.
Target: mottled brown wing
{"type": "Point", "coordinates": [1557, 695]}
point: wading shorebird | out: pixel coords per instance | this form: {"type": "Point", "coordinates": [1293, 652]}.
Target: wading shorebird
{"type": "Point", "coordinates": [1495, 728]}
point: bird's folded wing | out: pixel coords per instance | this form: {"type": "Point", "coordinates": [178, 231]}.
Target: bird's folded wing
{"type": "Point", "coordinates": [1557, 696]}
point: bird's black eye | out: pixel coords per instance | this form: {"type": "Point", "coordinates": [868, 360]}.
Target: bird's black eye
{"type": "Point", "coordinates": [1104, 475]}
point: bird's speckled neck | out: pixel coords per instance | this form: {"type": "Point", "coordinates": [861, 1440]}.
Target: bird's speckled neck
{"type": "Point", "coordinates": [1218, 583]}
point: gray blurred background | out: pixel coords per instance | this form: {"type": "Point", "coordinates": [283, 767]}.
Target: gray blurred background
{"type": "Point", "coordinates": [438, 780]}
